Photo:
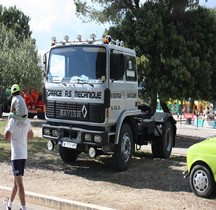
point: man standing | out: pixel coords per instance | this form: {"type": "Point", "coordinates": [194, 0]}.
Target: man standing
{"type": "Point", "coordinates": [18, 108]}
{"type": "Point", "coordinates": [18, 131]}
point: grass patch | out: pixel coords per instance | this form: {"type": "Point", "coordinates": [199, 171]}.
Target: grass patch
{"type": "Point", "coordinates": [37, 148]}
{"type": "Point", "coordinates": [36, 145]}
{"type": "Point", "coordinates": [4, 151]}
{"type": "Point", "coordinates": [3, 123]}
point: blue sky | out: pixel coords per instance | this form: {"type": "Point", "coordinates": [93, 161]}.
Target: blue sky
{"type": "Point", "coordinates": [57, 18]}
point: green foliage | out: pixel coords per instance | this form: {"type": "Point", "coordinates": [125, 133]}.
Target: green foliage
{"type": "Point", "coordinates": [180, 50]}
{"type": "Point", "coordinates": [174, 40]}
{"type": "Point", "coordinates": [19, 61]}
{"type": "Point", "coordinates": [18, 54]}
{"type": "Point", "coordinates": [103, 10]}
{"type": "Point", "coordinates": [15, 20]}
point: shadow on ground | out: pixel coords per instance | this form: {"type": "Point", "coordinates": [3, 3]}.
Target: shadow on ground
{"type": "Point", "coordinates": [144, 171]}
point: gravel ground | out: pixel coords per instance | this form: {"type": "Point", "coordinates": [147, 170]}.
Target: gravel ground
{"type": "Point", "coordinates": [149, 183]}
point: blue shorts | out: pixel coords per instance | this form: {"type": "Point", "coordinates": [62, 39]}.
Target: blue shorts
{"type": "Point", "coordinates": [18, 167]}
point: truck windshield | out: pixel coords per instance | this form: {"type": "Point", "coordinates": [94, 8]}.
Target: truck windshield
{"type": "Point", "coordinates": [77, 64]}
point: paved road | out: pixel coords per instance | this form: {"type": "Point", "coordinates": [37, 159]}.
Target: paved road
{"type": "Point", "coordinates": [194, 131]}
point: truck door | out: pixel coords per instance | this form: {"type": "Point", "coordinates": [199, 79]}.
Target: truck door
{"type": "Point", "coordinates": [117, 85]}
{"type": "Point", "coordinates": [131, 82]}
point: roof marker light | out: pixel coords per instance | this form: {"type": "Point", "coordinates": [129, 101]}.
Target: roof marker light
{"type": "Point", "coordinates": [53, 41]}
{"type": "Point", "coordinates": [79, 37]}
{"type": "Point", "coordinates": [66, 38]}
{"type": "Point", "coordinates": [109, 38]}
{"type": "Point", "coordinates": [92, 36]}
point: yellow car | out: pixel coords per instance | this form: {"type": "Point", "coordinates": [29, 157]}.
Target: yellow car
{"type": "Point", "coordinates": [201, 166]}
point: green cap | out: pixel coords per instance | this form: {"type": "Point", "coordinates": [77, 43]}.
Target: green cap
{"type": "Point", "coordinates": [15, 88]}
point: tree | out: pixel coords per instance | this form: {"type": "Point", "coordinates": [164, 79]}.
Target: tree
{"type": "Point", "coordinates": [171, 36]}
{"type": "Point", "coordinates": [114, 11]}
{"type": "Point", "coordinates": [19, 62]}
{"type": "Point", "coordinates": [16, 21]}
{"type": "Point", "coordinates": [180, 51]}
{"type": "Point", "coordinates": [18, 54]}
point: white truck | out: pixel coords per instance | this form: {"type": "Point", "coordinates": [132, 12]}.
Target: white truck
{"type": "Point", "coordinates": [92, 103]}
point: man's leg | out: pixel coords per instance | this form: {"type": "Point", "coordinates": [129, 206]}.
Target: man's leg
{"type": "Point", "coordinates": [14, 191]}
{"type": "Point", "coordinates": [20, 188]}
{"type": "Point", "coordinates": [18, 172]}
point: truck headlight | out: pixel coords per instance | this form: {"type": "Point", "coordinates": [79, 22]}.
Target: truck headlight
{"type": "Point", "coordinates": [97, 138]}
{"type": "Point", "coordinates": [55, 133]}
{"type": "Point", "coordinates": [88, 137]}
{"type": "Point", "coordinates": [46, 131]}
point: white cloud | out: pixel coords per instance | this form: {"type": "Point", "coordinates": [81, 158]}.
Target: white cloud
{"type": "Point", "coordinates": [45, 15]}
{"type": "Point", "coordinates": [53, 18]}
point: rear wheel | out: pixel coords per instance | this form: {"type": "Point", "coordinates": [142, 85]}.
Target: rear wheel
{"type": "Point", "coordinates": [123, 151]}
{"type": "Point", "coordinates": [201, 181]}
{"type": "Point", "coordinates": [68, 155]}
{"type": "Point", "coordinates": [162, 145]}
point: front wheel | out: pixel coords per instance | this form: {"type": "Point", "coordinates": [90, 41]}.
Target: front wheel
{"type": "Point", "coordinates": [31, 115]}
{"type": "Point", "coordinates": [124, 149]}
{"type": "Point", "coordinates": [201, 181]}
{"type": "Point", "coordinates": [68, 155]}
{"type": "Point", "coordinates": [41, 115]}
{"type": "Point", "coordinates": [162, 145]}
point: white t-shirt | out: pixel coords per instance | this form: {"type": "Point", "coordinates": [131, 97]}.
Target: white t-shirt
{"type": "Point", "coordinates": [19, 105]}
{"type": "Point", "coordinates": [19, 131]}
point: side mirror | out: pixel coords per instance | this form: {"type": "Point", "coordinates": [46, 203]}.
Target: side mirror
{"type": "Point", "coordinates": [45, 59]}
{"type": "Point", "coordinates": [45, 63]}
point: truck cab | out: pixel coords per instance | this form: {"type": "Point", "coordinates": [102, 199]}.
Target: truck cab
{"type": "Point", "coordinates": [92, 100]}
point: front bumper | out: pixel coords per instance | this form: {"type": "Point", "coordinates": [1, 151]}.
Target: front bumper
{"type": "Point", "coordinates": [76, 135]}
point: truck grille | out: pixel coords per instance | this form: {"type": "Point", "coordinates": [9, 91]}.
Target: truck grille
{"type": "Point", "coordinates": [74, 111]}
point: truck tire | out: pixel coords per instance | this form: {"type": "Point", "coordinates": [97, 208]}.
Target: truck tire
{"type": "Point", "coordinates": [31, 115]}
{"type": "Point", "coordinates": [124, 149]}
{"type": "Point", "coordinates": [68, 155]}
{"type": "Point", "coordinates": [162, 145]}
{"type": "Point", "coordinates": [201, 181]}
{"type": "Point", "coordinates": [41, 115]}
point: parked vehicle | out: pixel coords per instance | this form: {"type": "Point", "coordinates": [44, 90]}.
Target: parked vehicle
{"type": "Point", "coordinates": [34, 102]}
{"type": "Point", "coordinates": [201, 166]}
{"type": "Point", "coordinates": [92, 103]}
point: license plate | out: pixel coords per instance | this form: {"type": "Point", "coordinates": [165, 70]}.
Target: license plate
{"type": "Point", "coordinates": [69, 144]}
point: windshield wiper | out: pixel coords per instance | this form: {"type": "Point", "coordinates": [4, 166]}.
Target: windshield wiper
{"type": "Point", "coordinates": [82, 81]}
{"type": "Point", "coordinates": [55, 79]}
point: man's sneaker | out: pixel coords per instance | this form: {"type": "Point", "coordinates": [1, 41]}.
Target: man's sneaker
{"type": "Point", "coordinates": [6, 204]}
